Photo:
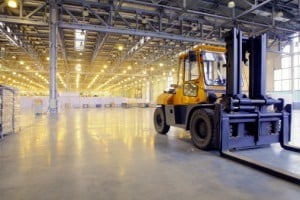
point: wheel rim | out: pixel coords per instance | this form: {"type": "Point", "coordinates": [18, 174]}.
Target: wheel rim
{"type": "Point", "coordinates": [159, 120]}
{"type": "Point", "coordinates": [201, 129]}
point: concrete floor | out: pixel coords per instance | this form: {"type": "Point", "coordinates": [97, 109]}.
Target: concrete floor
{"type": "Point", "coordinates": [116, 154]}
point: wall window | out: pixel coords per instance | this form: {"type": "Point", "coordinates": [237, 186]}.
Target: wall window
{"type": "Point", "coordinates": [286, 62]}
{"type": "Point", "coordinates": [296, 60]}
{"type": "Point", "coordinates": [287, 77]}
{"type": "Point", "coordinates": [296, 46]}
{"type": "Point", "coordinates": [297, 78]}
{"type": "Point", "coordinates": [282, 76]}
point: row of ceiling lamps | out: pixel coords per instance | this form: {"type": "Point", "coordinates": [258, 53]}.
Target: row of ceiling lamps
{"type": "Point", "coordinates": [93, 81]}
{"type": "Point", "coordinates": [77, 81]}
{"type": "Point", "coordinates": [113, 78]}
{"type": "Point", "coordinates": [61, 80]}
{"type": "Point", "coordinates": [9, 80]}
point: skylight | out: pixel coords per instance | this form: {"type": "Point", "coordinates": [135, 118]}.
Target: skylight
{"type": "Point", "coordinates": [79, 41]}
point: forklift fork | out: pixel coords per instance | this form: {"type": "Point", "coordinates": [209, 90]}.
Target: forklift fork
{"type": "Point", "coordinates": [226, 152]}
{"type": "Point", "coordinates": [286, 132]}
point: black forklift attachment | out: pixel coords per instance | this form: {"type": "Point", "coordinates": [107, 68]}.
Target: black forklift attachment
{"type": "Point", "coordinates": [255, 120]}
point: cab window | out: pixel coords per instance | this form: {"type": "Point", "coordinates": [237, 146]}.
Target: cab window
{"type": "Point", "coordinates": [180, 71]}
{"type": "Point", "coordinates": [191, 68]}
{"type": "Point", "coordinates": [214, 72]}
{"type": "Point", "coordinates": [191, 72]}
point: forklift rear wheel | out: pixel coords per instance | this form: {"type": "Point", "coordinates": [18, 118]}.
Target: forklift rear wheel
{"type": "Point", "coordinates": [160, 121]}
{"type": "Point", "coordinates": [201, 129]}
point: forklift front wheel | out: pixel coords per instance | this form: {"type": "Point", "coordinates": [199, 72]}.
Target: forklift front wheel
{"type": "Point", "coordinates": [201, 129]}
{"type": "Point", "coordinates": [160, 121]}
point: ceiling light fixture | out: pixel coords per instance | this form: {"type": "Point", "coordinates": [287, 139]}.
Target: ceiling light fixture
{"type": "Point", "coordinates": [194, 26]}
{"type": "Point", "coordinates": [12, 3]}
{"type": "Point", "coordinates": [78, 67]}
{"type": "Point", "coordinates": [85, 13]}
{"type": "Point", "coordinates": [231, 4]}
{"type": "Point", "coordinates": [120, 48]}
{"type": "Point", "coordinates": [279, 14]}
{"type": "Point", "coordinates": [144, 20]}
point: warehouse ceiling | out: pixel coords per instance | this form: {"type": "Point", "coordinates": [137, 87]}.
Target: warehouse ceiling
{"type": "Point", "coordinates": [105, 45]}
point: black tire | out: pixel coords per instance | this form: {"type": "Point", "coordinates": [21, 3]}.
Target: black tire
{"type": "Point", "coordinates": [159, 119]}
{"type": "Point", "coordinates": [201, 129]}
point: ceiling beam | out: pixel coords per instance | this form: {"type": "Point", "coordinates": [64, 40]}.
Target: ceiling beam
{"type": "Point", "coordinates": [98, 46]}
{"type": "Point", "coordinates": [21, 44]}
{"type": "Point", "coordinates": [69, 13]}
{"type": "Point", "coordinates": [18, 20]}
{"type": "Point", "coordinates": [110, 29]}
{"type": "Point", "coordinates": [97, 16]}
{"type": "Point", "coordinates": [199, 13]}
{"type": "Point", "coordinates": [36, 10]}
{"type": "Point", "coordinates": [254, 7]}
{"type": "Point", "coordinates": [61, 41]}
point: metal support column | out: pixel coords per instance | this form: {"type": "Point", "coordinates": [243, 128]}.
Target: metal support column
{"type": "Point", "coordinates": [53, 57]}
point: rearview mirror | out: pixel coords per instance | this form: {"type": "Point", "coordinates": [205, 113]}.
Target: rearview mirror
{"type": "Point", "coordinates": [192, 56]}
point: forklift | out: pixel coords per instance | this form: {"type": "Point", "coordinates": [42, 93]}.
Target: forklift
{"type": "Point", "coordinates": [211, 102]}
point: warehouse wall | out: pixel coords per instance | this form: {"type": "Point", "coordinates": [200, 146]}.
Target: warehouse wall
{"type": "Point", "coordinates": [161, 84]}
{"type": "Point", "coordinates": [157, 87]}
{"type": "Point", "coordinates": [39, 104]}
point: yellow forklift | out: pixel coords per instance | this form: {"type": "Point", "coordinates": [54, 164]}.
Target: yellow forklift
{"type": "Point", "coordinates": [210, 101]}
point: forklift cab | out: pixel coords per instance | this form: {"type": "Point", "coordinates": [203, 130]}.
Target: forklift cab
{"type": "Point", "coordinates": [201, 74]}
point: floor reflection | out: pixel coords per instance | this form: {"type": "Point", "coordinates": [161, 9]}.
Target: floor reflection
{"type": "Point", "coordinates": [109, 152]}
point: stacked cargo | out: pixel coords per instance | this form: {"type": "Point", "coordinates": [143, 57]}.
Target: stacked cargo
{"type": "Point", "coordinates": [9, 111]}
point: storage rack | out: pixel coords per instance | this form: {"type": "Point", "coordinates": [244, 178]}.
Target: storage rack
{"type": "Point", "coordinates": [9, 110]}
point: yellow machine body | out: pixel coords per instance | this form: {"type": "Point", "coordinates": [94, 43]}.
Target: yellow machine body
{"type": "Point", "coordinates": [179, 96]}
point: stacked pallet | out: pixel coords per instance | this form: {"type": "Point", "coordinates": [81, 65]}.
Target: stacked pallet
{"type": "Point", "coordinates": [9, 111]}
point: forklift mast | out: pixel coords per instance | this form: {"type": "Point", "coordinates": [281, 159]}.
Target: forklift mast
{"type": "Point", "coordinates": [234, 61]}
{"type": "Point", "coordinates": [237, 46]}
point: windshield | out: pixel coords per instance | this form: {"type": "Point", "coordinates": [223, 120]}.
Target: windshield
{"type": "Point", "coordinates": [214, 70]}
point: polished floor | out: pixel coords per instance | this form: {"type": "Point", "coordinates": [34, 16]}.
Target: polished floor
{"type": "Point", "coordinates": [114, 153]}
